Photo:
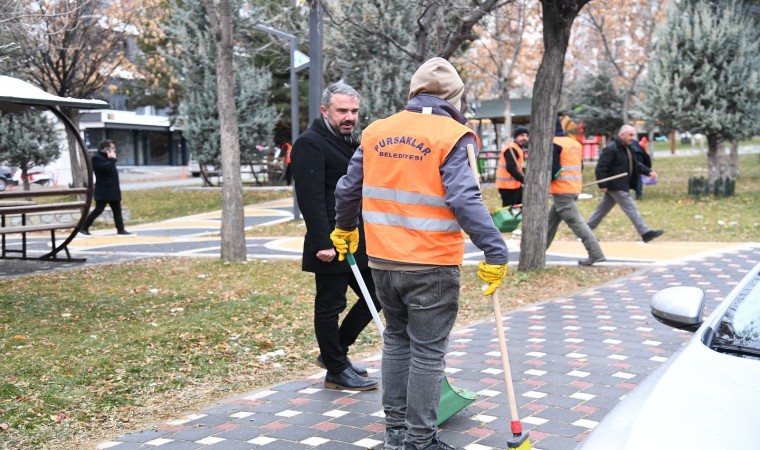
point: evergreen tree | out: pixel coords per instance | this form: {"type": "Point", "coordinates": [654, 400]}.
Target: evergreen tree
{"type": "Point", "coordinates": [705, 75]}
{"type": "Point", "coordinates": [598, 105]}
{"type": "Point", "coordinates": [196, 62]}
{"type": "Point", "coordinates": [27, 139]}
{"type": "Point", "coordinates": [375, 67]}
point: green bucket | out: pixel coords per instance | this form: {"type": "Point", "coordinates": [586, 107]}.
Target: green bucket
{"type": "Point", "coordinates": [507, 219]}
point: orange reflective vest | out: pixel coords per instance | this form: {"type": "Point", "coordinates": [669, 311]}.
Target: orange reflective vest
{"type": "Point", "coordinates": [403, 199]}
{"type": "Point", "coordinates": [504, 179]}
{"type": "Point", "coordinates": [570, 178]}
{"type": "Point", "coordinates": [287, 147]}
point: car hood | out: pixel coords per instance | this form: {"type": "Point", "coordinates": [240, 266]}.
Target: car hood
{"type": "Point", "coordinates": [698, 399]}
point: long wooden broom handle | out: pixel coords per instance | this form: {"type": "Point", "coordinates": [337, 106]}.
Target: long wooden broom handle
{"type": "Point", "coordinates": [497, 317]}
{"type": "Point", "coordinates": [473, 163]}
{"type": "Point", "coordinates": [504, 357]}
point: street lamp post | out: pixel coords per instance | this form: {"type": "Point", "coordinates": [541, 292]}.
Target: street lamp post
{"type": "Point", "coordinates": [294, 128]}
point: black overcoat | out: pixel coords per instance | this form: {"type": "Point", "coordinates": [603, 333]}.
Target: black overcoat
{"type": "Point", "coordinates": [613, 161]}
{"type": "Point", "coordinates": [106, 178]}
{"type": "Point", "coordinates": [319, 159]}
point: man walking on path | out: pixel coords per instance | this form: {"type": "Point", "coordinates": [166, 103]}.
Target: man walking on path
{"type": "Point", "coordinates": [567, 182]}
{"type": "Point", "coordinates": [618, 158]}
{"type": "Point", "coordinates": [107, 189]}
{"type": "Point", "coordinates": [412, 183]}
{"type": "Point", "coordinates": [319, 158]}
{"type": "Point", "coordinates": [509, 171]}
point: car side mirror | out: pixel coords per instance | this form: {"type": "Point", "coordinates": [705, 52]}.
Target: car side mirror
{"type": "Point", "coordinates": [679, 307]}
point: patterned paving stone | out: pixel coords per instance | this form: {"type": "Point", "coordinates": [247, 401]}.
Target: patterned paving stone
{"type": "Point", "coordinates": [572, 358]}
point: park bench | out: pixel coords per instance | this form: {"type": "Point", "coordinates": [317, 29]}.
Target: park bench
{"type": "Point", "coordinates": [18, 207]}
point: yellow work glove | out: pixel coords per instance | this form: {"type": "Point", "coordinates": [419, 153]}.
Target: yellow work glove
{"type": "Point", "coordinates": [493, 274]}
{"type": "Point", "coordinates": [345, 241]}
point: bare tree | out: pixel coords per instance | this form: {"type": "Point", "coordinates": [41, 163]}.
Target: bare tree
{"type": "Point", "coordinates": [233, 224]}
{"type": "Point", "coordinates": [73, 48]}
{"type": "Point", "coordinates": [441, 27]}
{"type": "Point", "coordinates": [558, 18]}
{"type": "Point", "coordinates": [625, 33]}
{"type": "Point", "coordinates": [495, 56]}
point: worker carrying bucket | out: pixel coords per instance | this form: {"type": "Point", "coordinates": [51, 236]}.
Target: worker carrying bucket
{"type": "Point", "coordinates": [411, 182]}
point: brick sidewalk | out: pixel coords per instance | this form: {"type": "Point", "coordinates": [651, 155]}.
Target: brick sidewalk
{"type": "Point", "coordinates": [572, 359]}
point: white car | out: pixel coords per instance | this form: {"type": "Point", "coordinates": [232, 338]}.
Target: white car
{"type": "Point", "coordinates": [707, 395]}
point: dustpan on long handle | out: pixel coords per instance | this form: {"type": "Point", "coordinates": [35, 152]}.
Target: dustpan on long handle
{"type": "Point", "coordinates": [453, 399]}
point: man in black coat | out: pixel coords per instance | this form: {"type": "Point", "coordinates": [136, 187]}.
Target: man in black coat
{"type": "Point", "coordinates": [618, 158]}
{"type": "Point", "coordinates": [107, 190]}
{"type": "Point", "coordinates": [319, 157]}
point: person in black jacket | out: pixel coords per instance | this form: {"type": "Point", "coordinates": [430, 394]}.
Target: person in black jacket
{"type": "Point", "coordinates": [618, 158]}
{"type": "Point", "coordinates": [319, 158]}
{"type": "Point", "coordinates": [107, 190]}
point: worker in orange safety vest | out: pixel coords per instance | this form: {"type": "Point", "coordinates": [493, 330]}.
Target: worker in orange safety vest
{"type": "Point", "coordinates": [509, 170]}
{"type": "Point", "coordinates": [567, 183]}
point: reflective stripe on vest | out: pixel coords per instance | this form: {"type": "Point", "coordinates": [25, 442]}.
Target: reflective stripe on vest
{"type": "Point", "coordinates": [403, 199]}
{"type": "Point", "coordinates": [504, 179]}
{"type": "Point", "coordinates": [570, 180]}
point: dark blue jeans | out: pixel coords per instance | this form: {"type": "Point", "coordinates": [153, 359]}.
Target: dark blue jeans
{"type": "Point", "coordinates": [420, 309]}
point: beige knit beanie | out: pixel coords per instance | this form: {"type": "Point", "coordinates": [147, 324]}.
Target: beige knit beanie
{"type": "Point", "coordinates": [439, 78]}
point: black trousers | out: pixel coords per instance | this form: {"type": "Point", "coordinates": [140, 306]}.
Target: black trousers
{"type": "Point", "coordinates": [511, 197]}
{"type": "Point", "coordinates": [100, 206]}
{"type": "Point", "coordinates": [330, 301]}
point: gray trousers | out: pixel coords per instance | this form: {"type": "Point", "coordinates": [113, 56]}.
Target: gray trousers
{"type": "Point", "coordinates": [420, 309]}
{"type": "Point", "coordinates": [564, 209]}
{"type": "Point", "coordinates": [627, 204]}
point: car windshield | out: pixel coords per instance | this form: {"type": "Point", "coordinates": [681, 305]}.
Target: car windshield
{"type": "Point", "coordinates": [739, 329]}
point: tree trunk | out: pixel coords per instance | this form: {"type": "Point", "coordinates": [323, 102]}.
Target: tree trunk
{"type": "Point", "coordinates": [716, 161]}
{"type": "Point", "coordinates": [25, 178]}
{"type": "Point", "coordinates": [78, 174]}
{"type": "Point", "coordinates": [558, 20]}
{"type": "Point", "coordinates": [233, 224]}
{"type": "Point", "coordinates": [733, 160]}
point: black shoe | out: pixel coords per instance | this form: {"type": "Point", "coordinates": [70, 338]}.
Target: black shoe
{"type": "Point", "coordinates": [358, 369]}
{"type": "Point", "coordinates": [124, 233]}
{"type": "Point", "coordinates": [85, 232]}
{"type": "Point", "coordinates": [394, 438]}
{"type": "Point", "coordinates": [591, 261]}
{"type": "Point", "coordinates": [437, 444]}
{"type": "Point", "coordinates": [350, 381]}
{"type": "Point", "coordinates": [651, 234]}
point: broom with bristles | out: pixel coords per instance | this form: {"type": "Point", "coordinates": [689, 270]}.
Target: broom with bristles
{"type": "Point", "coordinates": [519, 439]}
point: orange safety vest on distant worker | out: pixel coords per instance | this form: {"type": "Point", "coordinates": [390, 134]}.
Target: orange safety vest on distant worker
{"type": "Point", "coordinates": [570, 179]}
{"type": "Point", "coordinates": [504, 179]}
{"type": "Point", "coordinates": [287, 147]}
{"type": "Point", "coordinates": [403, 199]}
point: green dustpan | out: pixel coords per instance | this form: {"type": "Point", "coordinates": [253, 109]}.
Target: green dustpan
{"type": "Point", "coordinates": [453, 399]}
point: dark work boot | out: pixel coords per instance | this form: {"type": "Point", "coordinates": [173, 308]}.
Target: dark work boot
{"type": "Point", "coordinates": [394, 438]}
{"type": "Point", "coordinates": [358, 369]}
{"type": "Point", "coordinates": [651, 234]}
{"type": "Point", "coordinates": [350, 381]}
{"type": "Point", "coordinates": [590, 261]}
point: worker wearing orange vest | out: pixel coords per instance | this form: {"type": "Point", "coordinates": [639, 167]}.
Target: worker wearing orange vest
{"type": "Point", "coordinates": [412, 183]}
{"type": "Point", "coordinates": [509, 171]}
{"type": "Point", "coordinates": [567, 181]}
{"type": "Point", "coordinates": [286, 147]}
